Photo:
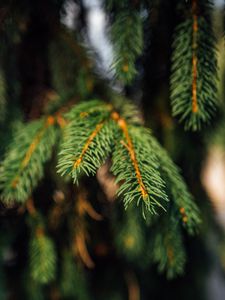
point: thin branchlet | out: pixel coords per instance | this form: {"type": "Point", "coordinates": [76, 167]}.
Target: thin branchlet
{"type": "Point", "coordinates": [193, 81]}
{"type": "Point", "coordinates": [34, 145]}
{"type": "Point", "coordinates": [194, 57]}
{"type": "Point", "coordinates": [87, 144]}
{"type": "Point", "coordinates": [27, 157]}
{"type": "Point", "coordinates": [130, 148]}
{"type": "Point", "coordinates": [87, 139]}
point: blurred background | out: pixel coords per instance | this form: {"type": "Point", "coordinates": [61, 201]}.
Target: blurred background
{"type": "Point", "coordinates": [39, 62]}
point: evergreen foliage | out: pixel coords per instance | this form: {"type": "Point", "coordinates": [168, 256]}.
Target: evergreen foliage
{"type": "Point", "coordinates": [194, 67]}
{"type": "Point", "coordinates": [127, 38]}
{"type": "Point", "coordinates": [63, 52]}
{"type": "Point", "coordinates": [42, 253]}
{"type": "Point", "coordinates": [42, 258]}
{"type": "Point", "coordinates": [94, 130]}
{"type": "Point", "coordinates": [136, 168]}
{"type": "Point", "coordinates": [130, 234]}
{"type": "Point", "coordinates": [177, 189]}
{"type": "Point", "coordinates": [87, 139]}
{"type": "Point", "coordinates": [70, 254]}
{"type": "Point", "coordinates": [22, 167]}
{"type": "Point", "coordinates": [168, 248]}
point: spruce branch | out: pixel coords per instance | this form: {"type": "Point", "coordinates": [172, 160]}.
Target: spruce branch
{"type": "Point", "coordinates": [42, 253]}
{"type": "Point", "coordinates": [87, 139]}
{"type": "Point", "coordinates": [63, 52]}
{"type": "Point", "coordinates": [177, 189]}
{"type": "Point", "coordinates": [168, 248]}
{"type": "Point", "coordinates": [194, 68]}
{"type": "Point", "coordinates": [42, 257]}
{"type": "Point", "coordinates": [93, 131]}
{"type": "Point", "coordinates": [127, 38]}
{"type": "Point", "coordinates": [23, 165]}
{"type": "Point", "coordinates": [136, 169]}
{"type": "Point", "coordinates": [142, 168]}
{"type": "Point", "coordinates": [130, 234]}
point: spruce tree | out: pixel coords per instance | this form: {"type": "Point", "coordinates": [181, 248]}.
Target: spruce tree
{"type": "Point", "coordinates": [100, 187]}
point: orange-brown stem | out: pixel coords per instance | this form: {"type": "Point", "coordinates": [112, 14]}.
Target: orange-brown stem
{"type": "Point", "coordinates": [30, 207]}
{"type": "Point", "coordinates": [133, 286]}
{"type": "Point", "coordinates": [85, 207]}
{"type": "Point", "coordinates": [87, 144]}
{"type": "Point", "coordinates": [194, 57]}
{"type": "Point", "coordinates": [80, 248]}
{"type": "Point", "coordinates": [81, 236]}
{"type": "Point", "coordinates": [49, 122]}
{"type": "Point", "coordinates": [130, 148]}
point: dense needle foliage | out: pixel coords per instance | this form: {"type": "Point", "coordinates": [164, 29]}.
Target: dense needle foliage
{"type": "Point", "coordinates": [95, 194]}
